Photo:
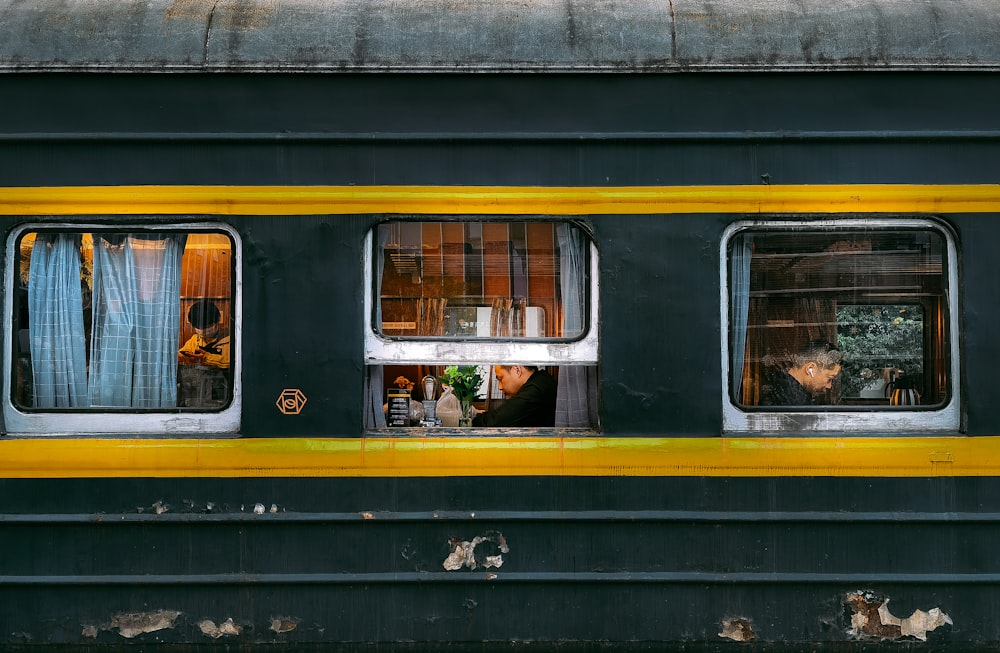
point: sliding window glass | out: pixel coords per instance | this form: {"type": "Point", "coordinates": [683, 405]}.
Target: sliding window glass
{"type": "Point", "coordinates": [841, 325]}
{"type": "Point", "coordinates": [120, 329]}
{"type": "Point", "coordinates": [481, 293]}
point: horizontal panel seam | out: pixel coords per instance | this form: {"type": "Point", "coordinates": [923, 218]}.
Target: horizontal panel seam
{"type": "Point", "coordinates": [188, 580]}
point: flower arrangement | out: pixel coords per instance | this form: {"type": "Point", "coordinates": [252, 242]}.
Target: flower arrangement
{"type": "Point", "coordinates": [464, 381]}
{"type": "Point", "coordinates": [404, 383]}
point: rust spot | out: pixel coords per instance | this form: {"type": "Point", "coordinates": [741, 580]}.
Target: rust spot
{"type": "Point", "coordinates": [251, 15]}
{"type": "Point", "coordinates": [240, 15]}
{"type": "Point", "coordinates": [189, 9]}
{"type": "Point", "coordinates": [284, 624]}
{"type": "Point", "coordinates": [133, 624]}
{"type": "Point", "coordinates": [738, 629]}
{"type": "Point", "coordinates": [871, 619]}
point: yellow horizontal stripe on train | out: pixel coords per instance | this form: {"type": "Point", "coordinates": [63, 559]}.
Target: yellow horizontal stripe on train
{"type": "Point", "coordinates": [498, 456]}
{"type": "Point", "coordinates": [308, 200]}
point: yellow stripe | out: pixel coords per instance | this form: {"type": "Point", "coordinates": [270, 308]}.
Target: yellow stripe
{"type": "Point", "coordinates": [451, 200]}
{"type": "Point", "coordinates": [481, 456]}
{"type": "Point", "coordinates": [498, 456]}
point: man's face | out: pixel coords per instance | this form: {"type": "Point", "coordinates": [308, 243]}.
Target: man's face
{"type": "Point", "coordinates": [510, 379]}
{"type": "Point", "coordinates": [208, 332]}
{"type": "Point", "coordinates": [820, 379]}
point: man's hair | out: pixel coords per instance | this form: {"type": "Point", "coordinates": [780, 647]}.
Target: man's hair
{"type": "Point", "coordinates": [821, 352]}
{"type": "Point", "coordinates": [533, 368]}
{"type": "Point", "coordinates": [203, 314]}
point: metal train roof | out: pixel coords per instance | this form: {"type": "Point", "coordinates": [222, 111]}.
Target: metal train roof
{"type": "Point", "coordinates": [497, 35]}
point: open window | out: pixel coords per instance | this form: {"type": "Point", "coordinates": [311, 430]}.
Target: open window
{"type": "Point", "coordinates": [845, 325]}
{"type": "Point", "coordinates": [481, 292]}
{"type": "Point", "coordinates": [122, 329]}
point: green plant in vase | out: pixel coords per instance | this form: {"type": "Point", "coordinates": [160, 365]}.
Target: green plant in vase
{"type": "Point", "coordinates": [464, 381]}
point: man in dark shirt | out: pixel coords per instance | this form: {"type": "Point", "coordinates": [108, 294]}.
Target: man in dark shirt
{"type": "Point", "coordinates": [810, 373]}
{"type": "Point", "coordinates": [531, 398]}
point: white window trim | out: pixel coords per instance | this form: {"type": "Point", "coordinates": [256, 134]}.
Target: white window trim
{"type": "Point", "coordinates": [380, 350]}
{"type": "Point", "coordinates": [94, 421]}
{"type": "Point", "coordinates": [946, 418]}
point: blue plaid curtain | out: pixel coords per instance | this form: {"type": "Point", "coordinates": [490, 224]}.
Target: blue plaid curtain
{"type": "Point", "coordinates": [55, 330]}
{"type": "Point", "coordinates": [136, 326]}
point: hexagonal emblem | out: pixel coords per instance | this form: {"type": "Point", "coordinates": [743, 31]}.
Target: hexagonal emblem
{"type": "Point", "coordinates": [291, 401]}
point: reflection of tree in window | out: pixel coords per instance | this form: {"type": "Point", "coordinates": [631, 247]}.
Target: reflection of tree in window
{"type": "Point", "coordinates": [876, 338]}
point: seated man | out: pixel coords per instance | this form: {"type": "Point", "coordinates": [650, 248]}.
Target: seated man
{"type": "Point", "coordinates": [809, 373]}
{"type": "Point", "coordinates": [203, 378]}
{"type": "Point", "coordinates": [210, 343]}
{"type": "Point", "coordinates": [531, 398]}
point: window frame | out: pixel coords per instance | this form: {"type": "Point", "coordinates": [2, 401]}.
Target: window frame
{"type": "Point", "coordinates": [946, 417]}
{"type": "Point", "coordinates": [95, 421]}
{"type": "Point", "coordinates": [415, 350]}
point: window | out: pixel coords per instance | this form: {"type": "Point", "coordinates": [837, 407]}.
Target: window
{"type": "Point", "coordinates": [840, 325]}
{"type": "Point", "coordinates": [481, 292]}
{"type": "Point", "coordinates": [114, 329]}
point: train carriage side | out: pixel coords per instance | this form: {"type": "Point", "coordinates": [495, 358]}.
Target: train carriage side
{"type": "Point", "coordinates": [231, 236]}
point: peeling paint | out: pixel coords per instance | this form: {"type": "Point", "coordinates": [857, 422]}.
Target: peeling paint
{"type": "Point", "coordinates": [870, 618]}
{"type": "Point", "coordinates": [738, 629]}
{"type": "Point", "coordinates": [284, 624]}
{"type": "Point", "coordinates": [226, 628]}
{"type": "Point", "coordinates": [464, 554]}
{"type": "Point", "coordinates": [133, 624]}
{"type": "Point", "coordinates": [89, 631]}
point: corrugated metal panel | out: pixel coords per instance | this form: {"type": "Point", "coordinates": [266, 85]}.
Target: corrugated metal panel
{"type": "Point", "coordinates": [487, 35]}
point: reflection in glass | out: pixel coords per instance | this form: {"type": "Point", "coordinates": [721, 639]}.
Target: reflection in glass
{"type": "Point", "coordinates": [877, 295]}
{"type": "Point", "coordinates": [482, 280]}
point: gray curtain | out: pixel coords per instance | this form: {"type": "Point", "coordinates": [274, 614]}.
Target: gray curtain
{"type": "Point", "coordinates": [739, 309]}
{"type": "Point", "coordinates": [576, 396]}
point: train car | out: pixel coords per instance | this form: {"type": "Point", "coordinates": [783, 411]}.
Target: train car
{"type": "Point", "coordinates": [269, 266]}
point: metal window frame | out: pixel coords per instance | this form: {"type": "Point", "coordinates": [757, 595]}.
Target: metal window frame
{"type": "Point", "coordinates": [381, 350]}
{"type": "Point", "coordinates": [946, 418]}
{"type": "Point", "coordinates": [171, 422]}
